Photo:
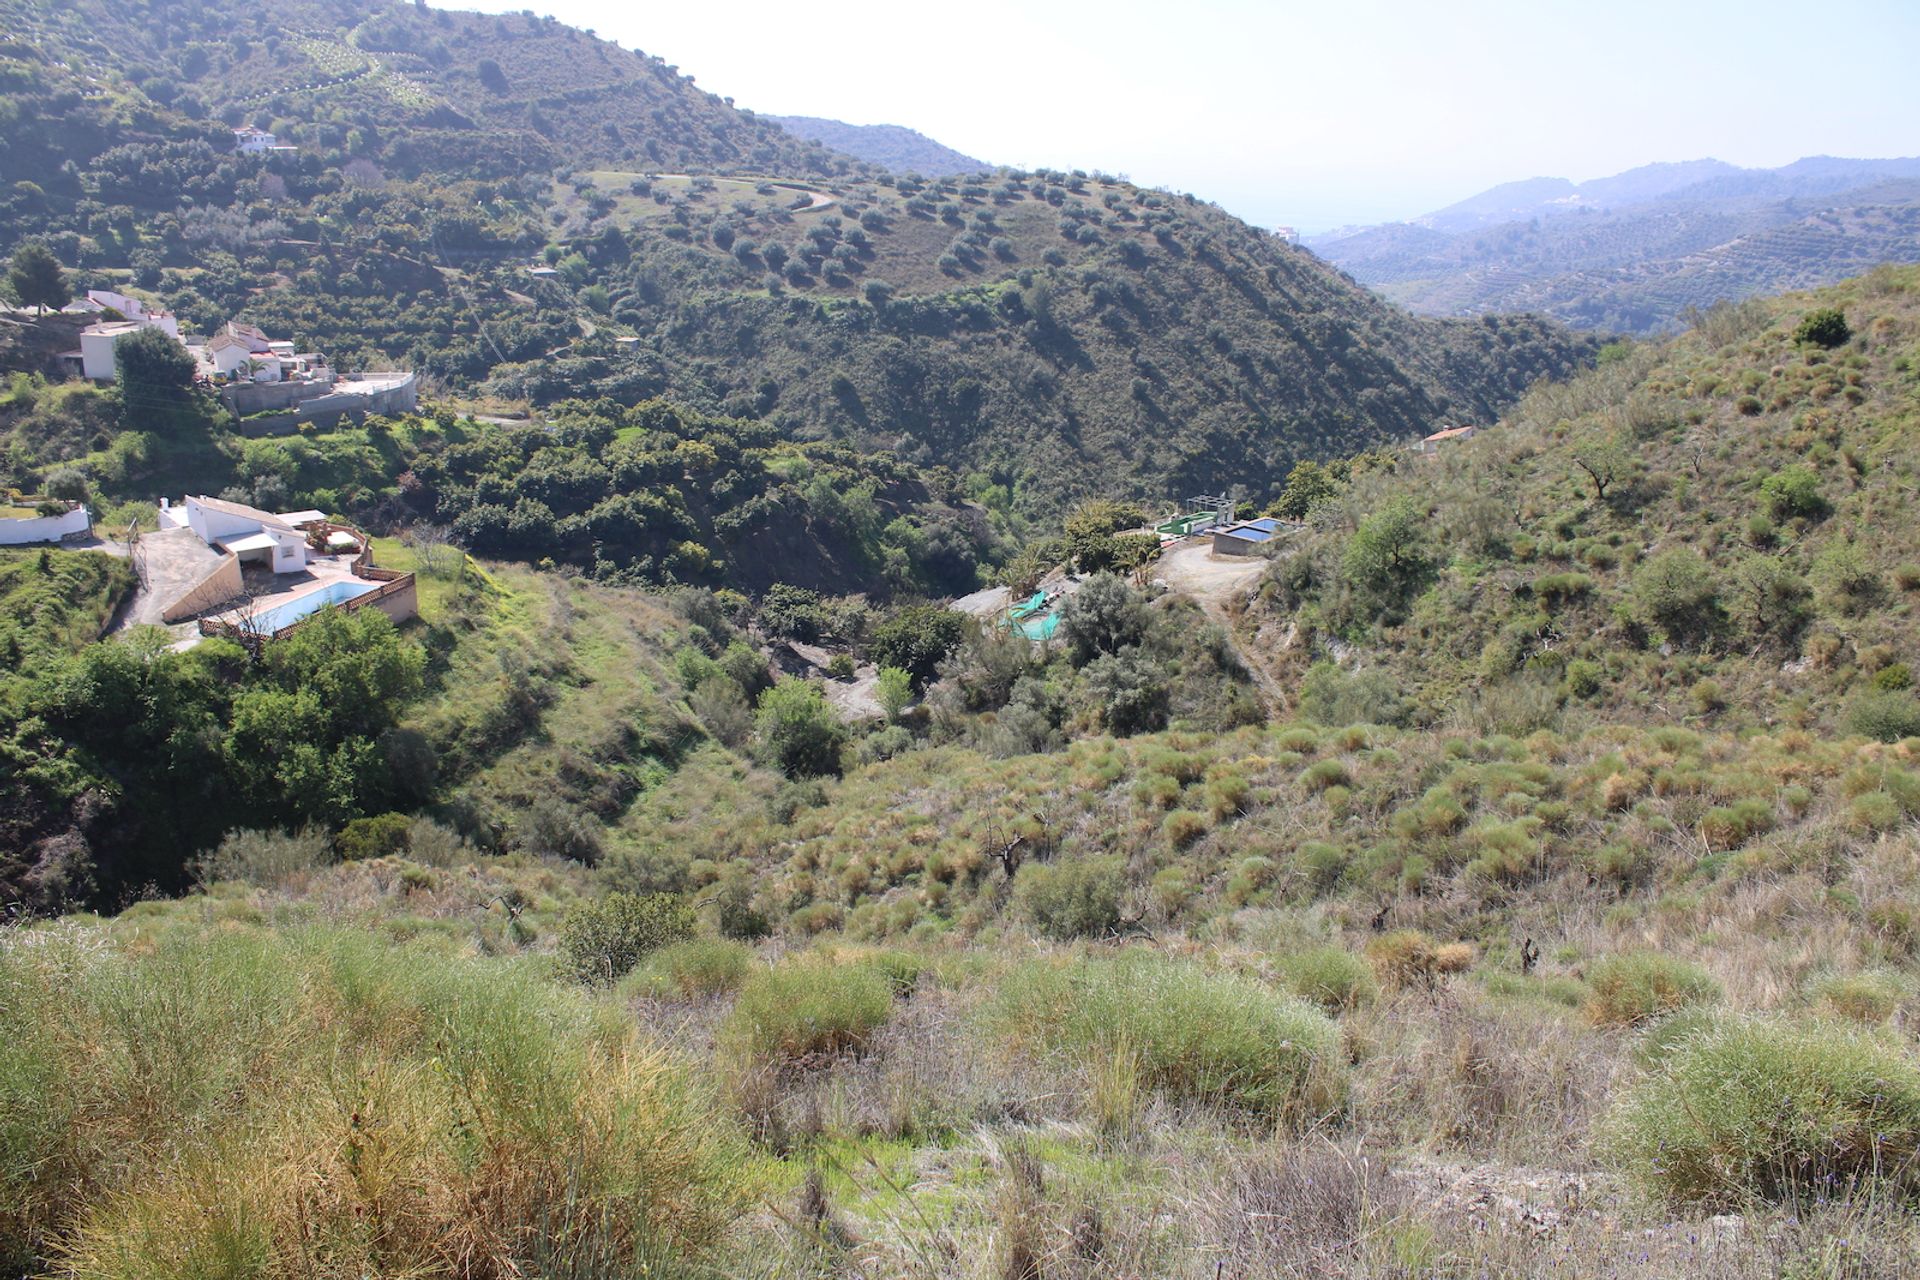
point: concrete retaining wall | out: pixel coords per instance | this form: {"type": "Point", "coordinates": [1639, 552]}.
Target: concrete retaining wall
{"type": "Point", "coordinates": [264, 397]}
{"type": "Point", "coordinates": [217, 588]}
{"type": "Point", "coordinates": [399, 600]}
{"type": "Point", "coordinates": [15, 533]}
{"type": "Point", "coordinates": [321, 404]}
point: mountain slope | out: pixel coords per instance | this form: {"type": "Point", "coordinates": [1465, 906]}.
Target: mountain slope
{"type": "Point", "coordinates": [493, 201]}
{"type": "Point", "coordinates": [890, 146]}
{"type": "Point", "coordinates": [1722, 530]}
{"type": "Point", "coordinates": [411, 87]}
{"type": "Point", "coordinates": [1633, 251]}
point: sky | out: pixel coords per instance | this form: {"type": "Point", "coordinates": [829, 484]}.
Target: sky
{"type": "Point", "coordinates": [1314, 115]}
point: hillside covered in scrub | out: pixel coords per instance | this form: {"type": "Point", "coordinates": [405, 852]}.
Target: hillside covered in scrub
{"type": "Point", "coordinates": [1256, 936]}
{"type": "Point", "coordinates": [1719, 531]}
{"type": "Point", "coordinates": [525, 213]}
{"type": "Point", "coordinates": [1510, 867]}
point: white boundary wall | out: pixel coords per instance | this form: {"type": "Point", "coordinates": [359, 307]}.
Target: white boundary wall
{"type": "Point", "coordinates": [15, 533]}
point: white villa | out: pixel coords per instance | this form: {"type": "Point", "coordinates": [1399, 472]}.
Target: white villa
{"type": "Point", "coordinates": [252, 141]}
{"type": "Point", "coordinates": [97, 340]}
{"type": "Point", "coordinates": [244, 353]}
{"type": "Point", "coordinates": [251, 535]}
{"type": "Point", "coordinates": [130, 308]}
{"type": "Point", "coordinates": [206, 542]}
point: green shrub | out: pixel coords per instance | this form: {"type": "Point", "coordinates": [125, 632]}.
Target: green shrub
{"type": "Point", "coordinates": [375, 837]}
{"type": "Point", "coordinates": [1072, 899]}
{"type": "Point", "coordinates": [683, 970]}
{"type": "Point", "coordinates": [1193, 1034]}
{"type": "Point", "coordinates": [1730, 826]}
{"type": "Point", "coordinates": [1893, 677]}
{"type": "Point", "coordinates": [1251, 880]}
{"type": "Point", "coordinates": [1772, 1109]}
{"type": "Point", "coordinates": [1331, 977]}
{"type": "Point", "coordinates": [1885, 716]}
{"type": "Point", "coordinates": [220, 1101]}
{"type": "Point", "coordinates": [1677, 592]}
{"type": "Point", "coordinates": [1321, 865]}
{"type": "Point", "coordinates": [1584, 678]}
{"type": "Point", "coordinates": [1562, 588]}
{"type": "Point", "coordinates": [1873, 813]}
{"type": "Point", "coordinates": [1823, 327]}
{"type": "Point", "coordinates": [1304, 741]}
{"type": "Point", "coordinates": [1793, 492]}
{"type": "Point", "coordinates": [1182, 827]}
{"type": "Point", "coordinates": [602, 939]}
{"type": "Point", "coordinates": [807, 1006]}
{"type": "Point", "coordinates": [1322, 774]}
{"type": "Point", "coordinates": [1637, 987]}
{"type": "Point", "coordinates": [798, 732]}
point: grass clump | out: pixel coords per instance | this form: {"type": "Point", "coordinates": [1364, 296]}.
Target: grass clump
{"type": "Point", "coordinates": [1192, 1034]}
{"type": "Point", "coordinates": [689, 970]}
{"type": "Point", "coordinates": [1772, 1110]}
{"type": "Point", "coordinates": [1331, 977]}
{"type": "Point", "coordinates": [808, 1008]}
{"type": "Point", "coordinates": [224, 1101]}
{"type": "Point", "coordinates": [1405, 958]}
{"type": "Point", "coordinates": [1637, 987]}
{"type": "Point", "coordinates": [1871, 997]}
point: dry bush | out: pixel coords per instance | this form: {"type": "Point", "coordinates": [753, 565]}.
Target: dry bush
{"type": "Point", "coordinates": [1494, 1079]}
{"type": "Point", "coordinates": [1301, 1210]}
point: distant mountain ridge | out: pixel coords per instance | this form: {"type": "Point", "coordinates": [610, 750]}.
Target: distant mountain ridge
{"type": "Point", "coordinates": [1634, 250]}
{"type": "Point", "coordinates": [891, 146]}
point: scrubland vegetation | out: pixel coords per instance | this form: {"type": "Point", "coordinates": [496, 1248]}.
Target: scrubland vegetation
{"type": "Point", "coordinates": [1521, 881]}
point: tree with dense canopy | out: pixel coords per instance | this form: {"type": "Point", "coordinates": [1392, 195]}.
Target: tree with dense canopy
{"type": "Point", "coordinates": [917, 639]}
{"type": "Point", "coordinates": [36, 278]}
{"type": "Point", "coordinates": [798, 732]}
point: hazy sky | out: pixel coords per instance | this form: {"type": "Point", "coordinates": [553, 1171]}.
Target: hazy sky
{"type": "Point", "coordinates": [1314, 114]}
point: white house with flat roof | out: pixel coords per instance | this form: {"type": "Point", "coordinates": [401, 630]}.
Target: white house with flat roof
{"type": "Point", "coordinates": [96, 347]}
{"type": "Point", "coordinates": [253, 536]}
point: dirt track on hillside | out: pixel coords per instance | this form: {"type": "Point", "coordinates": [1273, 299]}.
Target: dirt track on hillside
{"type": "Point", "coordinates": [1217, 584]}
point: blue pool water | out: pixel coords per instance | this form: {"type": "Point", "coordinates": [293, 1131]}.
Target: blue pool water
{"type": "Point", "coordinates": [271, 620]}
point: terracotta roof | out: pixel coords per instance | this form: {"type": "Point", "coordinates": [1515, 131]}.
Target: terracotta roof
{"type": "Point", "coordinates": [1450, 433]}
{"type": "Point", "coordinates": [222, 341]}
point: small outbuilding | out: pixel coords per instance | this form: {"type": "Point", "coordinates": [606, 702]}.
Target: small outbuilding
{"type": "Point", "coordinates": [1246, 537]}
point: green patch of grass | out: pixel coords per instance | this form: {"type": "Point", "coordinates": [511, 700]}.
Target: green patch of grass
{"type": "Point", "coordinates": [1331, 977]}
{"type": "Point", "coordinates": [805, 1007]}
{"type": "Point", "coordinates": [1637, 987]}
{"type": "Point", "coordinates": [1775, 1110]}
{"type": "Point", "coordinates": [1190, 1033]}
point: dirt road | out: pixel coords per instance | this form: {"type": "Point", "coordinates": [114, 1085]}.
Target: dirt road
{"type": "Point", "coordinates": [1215, 583]}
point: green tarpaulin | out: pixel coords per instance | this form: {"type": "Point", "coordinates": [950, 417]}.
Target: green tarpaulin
{"type": "Point", "coordinates": [1032, 604]}
{"type": "Point", "coordinates": [1040, 628]}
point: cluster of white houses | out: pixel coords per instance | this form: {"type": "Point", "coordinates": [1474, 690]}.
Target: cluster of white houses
{"type": "Point", "coordinates": [253, 372]}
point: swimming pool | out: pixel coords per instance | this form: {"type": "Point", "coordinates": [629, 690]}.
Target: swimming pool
{"type": "Point", "coordinates": [268, 621]}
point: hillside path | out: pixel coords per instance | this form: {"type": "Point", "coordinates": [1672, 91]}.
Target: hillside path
{"type": "Point", "coordinates": [1214, 583]}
